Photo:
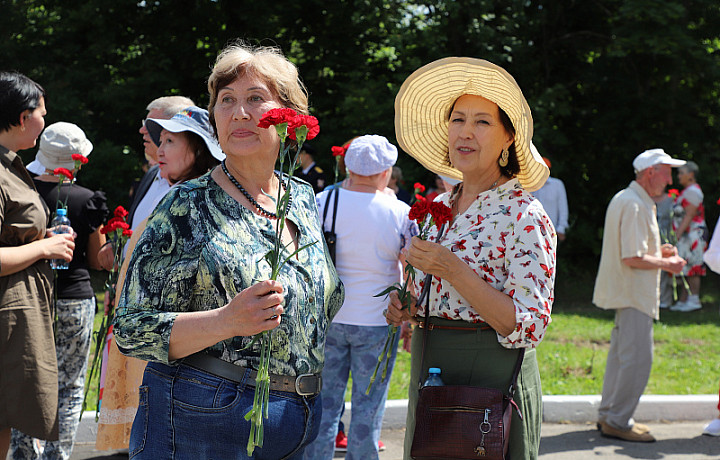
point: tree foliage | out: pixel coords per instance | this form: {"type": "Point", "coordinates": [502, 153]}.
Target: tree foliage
{"type": "Point", "coordinates": [605, 80]}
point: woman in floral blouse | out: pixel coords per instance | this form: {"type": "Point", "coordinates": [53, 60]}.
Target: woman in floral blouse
{"type": "Point", "coordinates": [691, 232]}
{"type": "Point", "coordinates": [198, 287]}
{"type": "Point", "coordinates": [493, 268]}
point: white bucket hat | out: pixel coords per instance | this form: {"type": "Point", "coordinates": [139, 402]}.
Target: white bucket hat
{"type": "Point", "coordinates": [59, 142]}
{"type": "Point", "coordinates": [422, 110]}
{"type": "Point", "coordinates": [370, 154]}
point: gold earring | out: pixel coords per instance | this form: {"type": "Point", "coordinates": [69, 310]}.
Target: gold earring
{"type": "Point", "coordinates": [503, 161]}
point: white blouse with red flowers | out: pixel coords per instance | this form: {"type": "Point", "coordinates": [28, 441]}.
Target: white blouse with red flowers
{"type": "Point", "coordinates": [509, 241]}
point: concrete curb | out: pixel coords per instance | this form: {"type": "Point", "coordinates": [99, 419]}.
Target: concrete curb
{"type": "Point", "coordinates": [563, 409]}
{"type": "Point", "coordinates": [583, 409]}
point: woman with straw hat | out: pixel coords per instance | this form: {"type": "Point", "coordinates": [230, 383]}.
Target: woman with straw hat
{"type": "Point", "coordinates": [493, 268]}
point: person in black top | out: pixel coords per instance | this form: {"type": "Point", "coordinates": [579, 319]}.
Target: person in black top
{"type": "Point", "coordinates": [75, 299]}
{"type": "Point", "coordinates": [309, 170]}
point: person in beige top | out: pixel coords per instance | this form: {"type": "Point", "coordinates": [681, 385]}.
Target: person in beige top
{"type": "Point", "coordinates": [28, 366]}
{"type": "Point", "coordinates": [628, 282]}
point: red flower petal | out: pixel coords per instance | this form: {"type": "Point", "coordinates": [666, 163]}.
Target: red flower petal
{"type": "Point", "coordinates": [339, 151]}
{"type": "Point", "coordinates": [77, 157]}
{"type": "Point", "coordinates": [419, 188]}
{"type": "Point", "coordinates": [63, 171]}
{"type": "Point", "coordinates": [304, 120]}
{"type": "Point", "coordinates": [120, 212]}
{"type": "Point", "coordinates": [276, 116]}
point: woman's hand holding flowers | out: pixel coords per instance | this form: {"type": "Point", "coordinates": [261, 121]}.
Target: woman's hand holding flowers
{"type": "Point", "coordinates": [253, 310]}
{"type": "Point", "coordinates": [432, 258]}
{"type": "Point", "coordinates": [397, 313]}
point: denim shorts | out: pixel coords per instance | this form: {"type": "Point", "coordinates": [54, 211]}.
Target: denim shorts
{"type": "Point", "coordinates": [187, 413]}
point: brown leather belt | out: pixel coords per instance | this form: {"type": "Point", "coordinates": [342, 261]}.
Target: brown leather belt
{"type": "Point", "coordinates": [303, 385]}
{"type": "Point", "coordinates": [483, 326]}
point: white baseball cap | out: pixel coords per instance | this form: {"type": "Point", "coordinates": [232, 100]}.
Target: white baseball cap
{"type": "Point", "coordinates": [654, 157]}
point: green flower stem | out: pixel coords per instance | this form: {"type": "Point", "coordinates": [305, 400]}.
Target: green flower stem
{"type": "Point", "coordinates": [261, 398]}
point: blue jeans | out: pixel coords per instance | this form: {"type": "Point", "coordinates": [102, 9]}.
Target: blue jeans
{"type": "Point", "coordinates": [353, 349]}
{"type": "Point", "coordinates": [72, 346]}
{"type": "Point", "coordinates": [186, 413]}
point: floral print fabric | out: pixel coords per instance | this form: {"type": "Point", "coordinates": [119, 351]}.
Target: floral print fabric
{"type": "Point", "coordinates": [508, 240]}
{"type": "Point", "coordinates": [200, 248]}
{"type": "Point", "coordinates": [692, 243]}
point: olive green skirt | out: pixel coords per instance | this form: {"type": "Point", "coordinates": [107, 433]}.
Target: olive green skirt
{"type": "Point", "coordinates": [476, 358]}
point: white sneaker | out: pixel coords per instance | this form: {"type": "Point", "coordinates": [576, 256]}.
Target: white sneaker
{"type": "Point", "coordinates": [686, 306]}
{"type": "Point", "coordinates": [664, 305]}
{"type": "Point", "coordinates": [712, 428]}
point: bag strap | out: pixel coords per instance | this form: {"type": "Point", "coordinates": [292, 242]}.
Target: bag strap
{"type": "Point", "coordinates": [335, 192]}
{"type": "Point", "coordinates": [425, 295]}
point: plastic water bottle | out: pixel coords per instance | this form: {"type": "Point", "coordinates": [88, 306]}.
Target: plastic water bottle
{"type": "Point", "coordinates": [433, 379]}
{"type": "Point", "coordinates": [60, 224]}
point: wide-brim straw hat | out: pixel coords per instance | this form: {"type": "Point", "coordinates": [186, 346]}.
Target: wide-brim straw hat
{"type": "Point", "coordinates": [422, 109]}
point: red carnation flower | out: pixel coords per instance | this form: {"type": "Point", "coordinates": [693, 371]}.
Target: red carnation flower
{"type": "Point", "coordinates": [63, 171]}
{"type": "Point", "coordinates": [77, 157]}
{"type": "Point", "coordinates": [419, 211]}
{"type": "Point", "coordinates": [419, 188]}
{"type": "Point", "coordinates": [673, 193]}
{"type": "Point", "coordinates": [310, 122]}
{"type": "Point", "coordinates": [120, 212]}
{"type": "Point", "coordinates": [718, 201]}
{"type": "Point", "coordinates": [277, 116]}
{"type": "Point", "coordinates": [127, 232]}
{"type": "Point", "coordinates": [441, 214]}
{"type": "Point", "coordinates": [338, 151]}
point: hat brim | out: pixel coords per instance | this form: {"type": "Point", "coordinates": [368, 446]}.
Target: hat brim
{"type": "Point", "coordinates": [155, 126]}
{"type": "Point", "coordinates": [422, 109]}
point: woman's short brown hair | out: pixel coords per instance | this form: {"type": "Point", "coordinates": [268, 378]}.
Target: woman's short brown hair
{"type": "Point", "coordinates": [267, 63]}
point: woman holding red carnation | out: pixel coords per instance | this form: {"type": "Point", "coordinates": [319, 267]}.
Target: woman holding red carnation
{"type": "Point", "coordinates": [493, 268]}
{"type": "Point", "coordinates": [691, 233]}
{"type": "Point", "coordinates": [27, 351]}
{"type": "Point", "coordinates": [198, 286]}
{"type": "Point", "coordinates": [64, 146]}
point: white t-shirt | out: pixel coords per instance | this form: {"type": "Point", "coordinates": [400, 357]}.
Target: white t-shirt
{"type": "Point", "coordinates": [371, 229]}
{"type": "Point", "coordinates": [157, 190]}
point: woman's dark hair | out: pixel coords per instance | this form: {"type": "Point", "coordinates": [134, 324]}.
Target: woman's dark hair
{"type": "Point", "coordinates": [203, 162]}
{"type": "Point", "coordinates": [18, 93]}
{"type": "Point", "coordinates": [513, 166]}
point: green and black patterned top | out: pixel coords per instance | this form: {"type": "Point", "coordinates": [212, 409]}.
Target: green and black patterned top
{"type": "Point", "coordinates": [199, 249]}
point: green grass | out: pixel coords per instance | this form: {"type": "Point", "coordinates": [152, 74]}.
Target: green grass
{"type": "Point", "coordinates": [572, 356]}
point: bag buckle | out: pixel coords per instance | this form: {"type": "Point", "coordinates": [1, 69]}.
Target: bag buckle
{"type": "Point", "coordinates": [308, 384]}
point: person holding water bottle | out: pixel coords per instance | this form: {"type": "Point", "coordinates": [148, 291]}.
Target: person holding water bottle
{"type": "Point", "coordinates": [28, 390]}
{"type": "Point", "coordinates": [80, 212]}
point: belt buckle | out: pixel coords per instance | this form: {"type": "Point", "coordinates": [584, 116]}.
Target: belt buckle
{"type": "Point", "coordinates": [318, 386]}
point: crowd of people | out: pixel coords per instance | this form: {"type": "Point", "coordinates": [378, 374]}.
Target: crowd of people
{"type": "Point", "coordinates": [196, 286]}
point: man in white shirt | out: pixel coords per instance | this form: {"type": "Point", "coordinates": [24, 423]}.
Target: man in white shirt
{"type": "Point", "coordinates": [628, 282]}
{"type": "Point", "coordinates": [554, 199]}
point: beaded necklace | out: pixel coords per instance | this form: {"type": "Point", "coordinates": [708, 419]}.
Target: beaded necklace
{"type": "Point", "coordinates": [264, 212]}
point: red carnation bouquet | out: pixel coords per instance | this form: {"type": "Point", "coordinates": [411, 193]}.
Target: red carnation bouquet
{"type": "Point", "coordinates": [298, 127]}
{"type": "Point", "coordinates": [426, 214]}
{"type": "Point", "coordinates": [118, 232]}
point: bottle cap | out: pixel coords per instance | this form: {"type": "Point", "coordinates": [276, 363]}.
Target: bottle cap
{"type": "Point", "coordinates": [61, 212]}
{"type": "Point", "coordinates": [434, 370]}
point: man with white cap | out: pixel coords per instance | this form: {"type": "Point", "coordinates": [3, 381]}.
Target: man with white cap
{"type": "Point", "coordinates": [628, 282]}
{"type": "Point", "coordinates": [372, 227]}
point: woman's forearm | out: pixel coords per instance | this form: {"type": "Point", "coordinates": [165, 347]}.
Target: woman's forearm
{"type": "Point", "coordinates": [195, 331]}
{"type": "Point", "coordinates": [18, 258]}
